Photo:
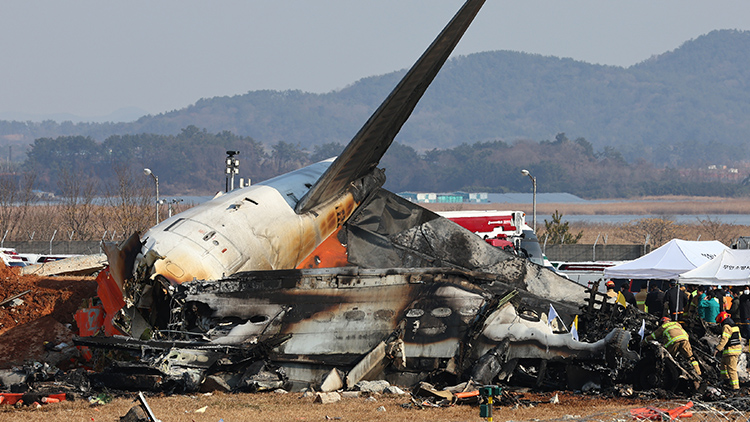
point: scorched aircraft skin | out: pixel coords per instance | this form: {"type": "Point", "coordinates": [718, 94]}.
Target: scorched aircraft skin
{"type": "Point", "coordinates": [276, 224]}
{"type": "Point", "coordinates": [244, 272]}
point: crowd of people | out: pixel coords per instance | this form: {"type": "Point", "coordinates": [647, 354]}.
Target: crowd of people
{"type": "Point", "coordinates": [728, 307]}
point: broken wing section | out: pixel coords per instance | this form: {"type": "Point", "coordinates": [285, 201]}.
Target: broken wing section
{"type": "Point", "coordinates": [364, 151]}
{"type": "Point", "coordinates": [391, 232]}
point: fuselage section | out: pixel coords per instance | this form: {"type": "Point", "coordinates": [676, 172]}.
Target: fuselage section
{"type": "Point", "coordinates": [253, 228]}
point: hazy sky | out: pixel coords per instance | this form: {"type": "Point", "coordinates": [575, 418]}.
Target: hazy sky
{"type": "Point", "coordinates": [91, 58]}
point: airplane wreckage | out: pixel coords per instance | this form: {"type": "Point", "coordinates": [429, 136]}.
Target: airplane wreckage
{"type": "Point", "coordinates": [320, 277]}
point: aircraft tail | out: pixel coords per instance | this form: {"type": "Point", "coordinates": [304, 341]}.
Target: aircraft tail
{"type": "Point", "coordinates": [364, 151]}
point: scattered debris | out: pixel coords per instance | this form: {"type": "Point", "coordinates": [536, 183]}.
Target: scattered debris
{"type": "Point", "coordinates": [327, 398]}
{"type": "Point", "coordinates": [654, 413]}
{"type": "Point", "coordinates": [74, 265]}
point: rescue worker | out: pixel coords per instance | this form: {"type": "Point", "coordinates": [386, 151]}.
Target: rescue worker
{"type": "Point", "coordinates": [695, 299]}
{"type": "Point", "coordinates": [674, 301]}
{"type": "Point", "coordinates": [629, 296]}
{"type": "Point", "coordinates": [675, 339]}
{"type": "Point", "coordinates": [731, 348]}
{"type": "Point", "coordinates": [611, 289]}
{"type": "Point", "coordinates": [734, 309]}
{"type": "Point", "coordinates": [710, 307]}
{"type": "Point", "coordinates": [727, 299]}
{"type": "Point", "coordinates": [640, 298]}
{"type": "Point", "coordinates": [745, 313]}
{"type": "Point", "coordinates": [655, 300]}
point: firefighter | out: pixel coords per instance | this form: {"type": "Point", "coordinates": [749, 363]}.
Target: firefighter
{"type": "Point", "coordinates": [611, 289]}
{"type": "Point", "coordinates": [675, 339]}
{"type": "Point", "coordinates": [731, 348]}
{"type": "Point", "coordinates": [640, 298]}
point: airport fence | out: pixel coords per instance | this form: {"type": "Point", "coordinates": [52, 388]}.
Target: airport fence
{"type": "Point", "coordinates": [61, 247]}
{"type": "Point", "coordinates": [584, 253]}
{"type": "Point", "coordinates": [567, 253]}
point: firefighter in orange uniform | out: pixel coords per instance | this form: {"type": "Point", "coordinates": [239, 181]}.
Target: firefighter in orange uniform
{"type": "Point", "coordinates": [731, 348]}
{"type": "Point", "coordinates": [675, 339]}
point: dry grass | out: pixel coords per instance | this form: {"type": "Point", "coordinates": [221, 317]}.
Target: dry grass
{"type": "Point", "coordinates": [629, 233]}
{"type": "Point", "coordinates": [292, 407]}
{"type": "Point", "coordinates": [672, 205]}
{"type": "Point", "coordinates": [619, 234]}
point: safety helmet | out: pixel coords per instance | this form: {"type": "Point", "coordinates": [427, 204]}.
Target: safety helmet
{"type": "Point", "coordinates": [665, 319]}
{"type": "Point", "coordinates": [722, 316]}
{"type": "Point", "coordinates": [610, 283]}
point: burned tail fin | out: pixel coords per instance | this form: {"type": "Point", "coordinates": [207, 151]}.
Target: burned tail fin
{"type": "Point", "coordinates": [367, 147]}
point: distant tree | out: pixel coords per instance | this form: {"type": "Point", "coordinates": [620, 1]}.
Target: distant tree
{"type": "Point", "coordinates": [130, 203]}
{"type": "Point", "coordinates": [328, 150]}
{"type": "Point", "coordinates": [657, 230]}
{"type": "Point", "coordinates": [588, 149]}
{"type": "Point", "coordinates": [288, 156]}
{"type": "Point", "coordinates": [77, 205]}
{"type": "Point", "coordinates": [558, 232]}
{"type": "Point", "coordinates": [16, 199]}
{"type": "Point", "coordinates": [715, 229]}
{"type": "Point", "coordinates": [560, 138]}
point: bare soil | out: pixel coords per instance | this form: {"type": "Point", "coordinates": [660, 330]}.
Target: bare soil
{"type": "Point", "coordinates": [295, 407]}
{"type": "Point", "coordinates": [44, 315]}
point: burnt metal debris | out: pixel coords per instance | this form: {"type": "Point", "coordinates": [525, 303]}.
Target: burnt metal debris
{"type": "Point", "coordinates": [447, 308]}
{"type": "Point", "coordinates": [388, 291]}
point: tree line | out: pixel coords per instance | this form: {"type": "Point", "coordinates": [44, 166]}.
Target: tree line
{"type": "Point", "coordinates": [683, 108]}
{"type": "Point", "coordinates": [192, 163]}
{"type": "Point", "coordinates": [101, 187]}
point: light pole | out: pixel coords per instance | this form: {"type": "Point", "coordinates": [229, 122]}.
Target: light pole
{"type": "Point", "coordinates": [148, 172]}
{"type": "Point", "coordinates": [533, 182]}
{"type": "Point", "coordinates": [174, 201]}
{"type": "Point", "coordinates": [233, 167]}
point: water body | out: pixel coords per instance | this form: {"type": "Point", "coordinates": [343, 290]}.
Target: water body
{"type": "Point", "coordinates": [567, 198]}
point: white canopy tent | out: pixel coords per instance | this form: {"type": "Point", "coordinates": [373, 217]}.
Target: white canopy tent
{"type": "Point", "coordinates": [668, 261]}
{"type": "Point", "coordinates": [730, 268]}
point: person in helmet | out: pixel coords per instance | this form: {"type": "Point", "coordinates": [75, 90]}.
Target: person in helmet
{"type": "Point", "coordinates": [675, 339]}
{"type": "Point", "coordinates": [611, 289]}
{"type": "Point", "coordinates": [731, 348]}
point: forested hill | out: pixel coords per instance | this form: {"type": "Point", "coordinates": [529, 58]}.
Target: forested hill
{"type": "Point", "coordinates": [686, 107]}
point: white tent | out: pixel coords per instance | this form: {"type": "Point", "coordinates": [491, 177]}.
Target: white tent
{"type": "Point", "coordinates": [729, 268]}
{"type": "Point", "coordinates": [668, 261]}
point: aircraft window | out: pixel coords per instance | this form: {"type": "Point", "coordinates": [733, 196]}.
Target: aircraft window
{"type": "Point", "coordinates": [441, 312]}
{"type": "Point", "coordinates": [308, 185]}
{"type": "Point", "coordinates": [250, 200]}
{"type": "Point", "coordinates": [257, 319]}
{"type": "Point", "coordinates": [414, 313]}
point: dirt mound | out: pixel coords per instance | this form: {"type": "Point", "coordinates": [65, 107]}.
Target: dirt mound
{"type": "Point", "coordinates": [45, 313]}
